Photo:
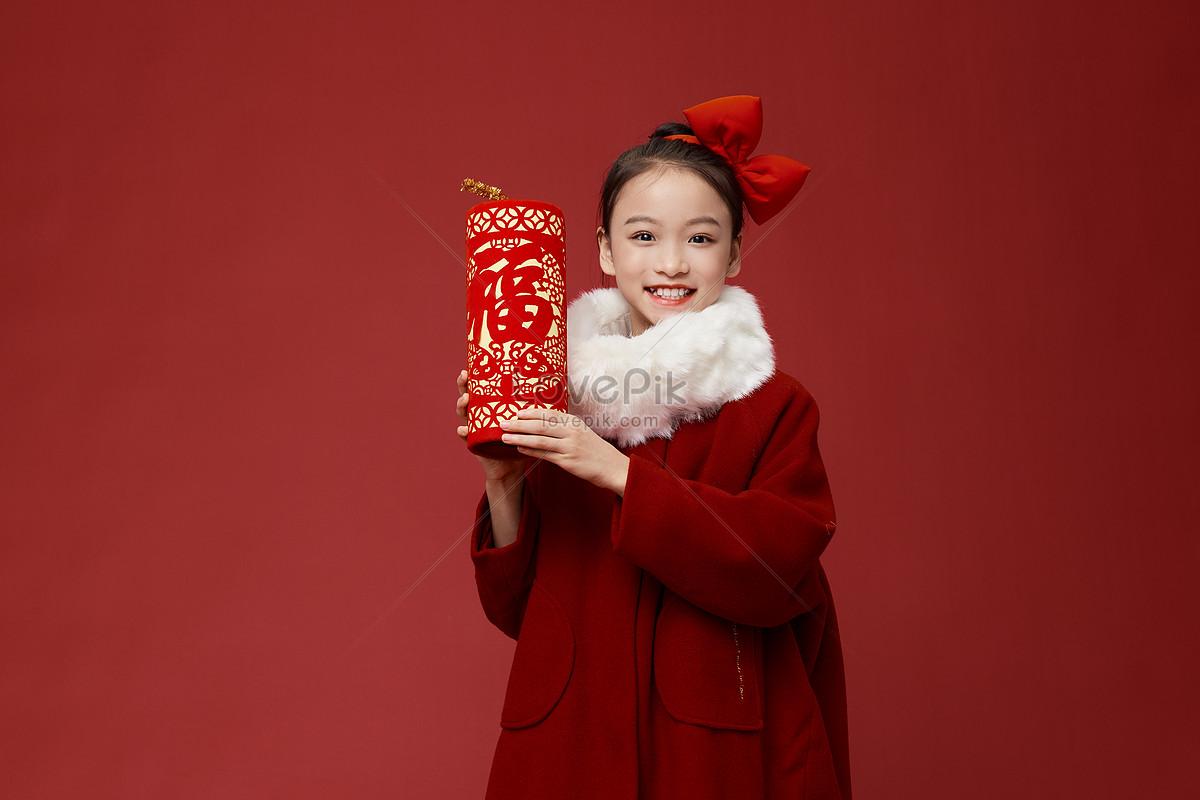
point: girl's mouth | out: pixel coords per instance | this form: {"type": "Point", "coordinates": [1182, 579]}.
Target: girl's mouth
{"type": "Point", "coordinates": [669, 296]}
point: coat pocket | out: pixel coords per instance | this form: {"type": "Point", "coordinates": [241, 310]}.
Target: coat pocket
{"type": "Point", "coordinates": [706, 668]}
{"type": "Point", "coordinates": [543, 661]}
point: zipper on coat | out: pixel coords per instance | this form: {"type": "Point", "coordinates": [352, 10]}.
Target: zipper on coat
{"type": "Point", "coordinates": [737, 660]}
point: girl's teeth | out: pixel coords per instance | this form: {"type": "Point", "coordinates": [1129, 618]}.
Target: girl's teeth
{"type": "Point", "coordinates": [671, 294]}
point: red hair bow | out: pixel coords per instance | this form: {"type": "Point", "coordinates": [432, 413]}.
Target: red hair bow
{"type": "Point", "coordinates": [731, 127]}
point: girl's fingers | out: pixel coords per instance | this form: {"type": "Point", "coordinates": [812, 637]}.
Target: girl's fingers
{"type": "Point", "coordinates": [543, 444]}
{"type": "Point", "coordinates": [538, 413]}
{"type": "Point", "coordinates": [538, 453]}
{"type": "Point", "coordinates": [537, 427]}
{"type": "Point", "coordinates": [556, 423]}
{"type": "Point", "coordinates": [550, 416]}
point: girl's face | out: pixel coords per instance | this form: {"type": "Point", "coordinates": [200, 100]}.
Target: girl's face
{"type": "Point", "coordinates": [671, 245]}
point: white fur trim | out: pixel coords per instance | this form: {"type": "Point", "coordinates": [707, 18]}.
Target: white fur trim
{"type": "Point", "coordinates": [634, 388]}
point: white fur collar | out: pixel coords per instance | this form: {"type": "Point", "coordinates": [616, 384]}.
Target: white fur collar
{"type": "Point", "coordinates": [634, 388]}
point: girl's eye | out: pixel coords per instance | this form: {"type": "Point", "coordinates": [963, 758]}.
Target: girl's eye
{"type": "Point", "coordinates": [643, 236]}
{"type": "Point", "coordinates": [700, 238]}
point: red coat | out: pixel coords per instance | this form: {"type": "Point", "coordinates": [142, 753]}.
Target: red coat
{"type": "Point", "coordinates": [680, 641]}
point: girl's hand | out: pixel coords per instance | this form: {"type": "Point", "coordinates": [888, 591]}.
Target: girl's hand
{"type": "Point", "coordinates": [565, 440]}
{"type": "Point", "coordinates": [494, 470]}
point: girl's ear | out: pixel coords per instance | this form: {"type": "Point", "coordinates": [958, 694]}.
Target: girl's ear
{"type": "Point", "coordinates": [605, 246]}
{"type": "Point", "coordinates": [735, 256]}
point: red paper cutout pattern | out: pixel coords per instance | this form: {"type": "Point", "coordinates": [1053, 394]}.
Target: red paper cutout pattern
{"type": "Point", "coordinates": [516, 323]}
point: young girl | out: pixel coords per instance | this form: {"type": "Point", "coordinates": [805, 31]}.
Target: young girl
{"type": "Point", "coordinates": [658, 563]}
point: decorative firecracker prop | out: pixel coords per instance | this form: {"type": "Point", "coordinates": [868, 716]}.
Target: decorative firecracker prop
{"type": "Point", "coordinates": [516, 323]}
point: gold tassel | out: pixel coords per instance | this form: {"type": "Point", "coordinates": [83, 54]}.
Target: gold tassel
{"type": "Point", "coordinates": [482, 189]}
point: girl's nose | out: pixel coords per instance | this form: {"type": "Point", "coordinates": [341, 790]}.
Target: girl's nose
{"type": "Point", "coordinates": [674, 262]}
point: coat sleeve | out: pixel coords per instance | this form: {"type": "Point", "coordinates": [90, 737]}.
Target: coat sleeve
{"type": "Point", "coordinates": [742, 556]}
{"type": "Point", "coordinates": [504, 575]}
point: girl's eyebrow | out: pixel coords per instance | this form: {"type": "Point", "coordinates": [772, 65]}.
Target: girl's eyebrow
{"type": "Point", "coordinates": [653, 221]}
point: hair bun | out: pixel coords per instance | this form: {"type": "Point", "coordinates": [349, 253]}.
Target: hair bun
{"type": "Point", "coordinates": [672, 129]}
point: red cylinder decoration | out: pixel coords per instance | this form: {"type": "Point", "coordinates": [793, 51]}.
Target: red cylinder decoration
{"type": "Point", "coordinates": [517, 335]}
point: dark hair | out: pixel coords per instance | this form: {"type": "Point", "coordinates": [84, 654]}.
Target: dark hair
{"type": "Point", "coordinates": [662, 152]}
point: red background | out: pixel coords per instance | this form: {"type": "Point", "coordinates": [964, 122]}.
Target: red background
{"type": "Point", "coordinates": [232, 500]}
